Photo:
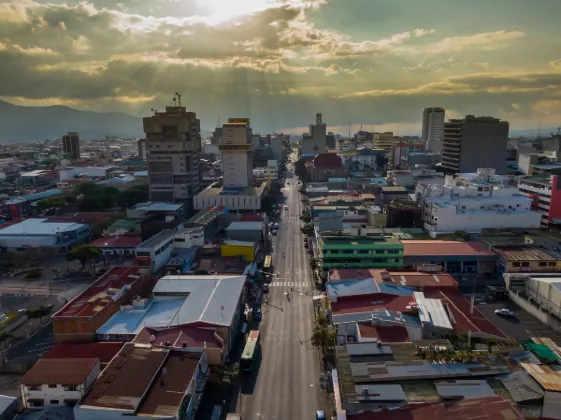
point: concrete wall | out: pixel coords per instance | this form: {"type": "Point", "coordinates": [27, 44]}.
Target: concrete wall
{"type": "Point", "coordinates": [544, 317]}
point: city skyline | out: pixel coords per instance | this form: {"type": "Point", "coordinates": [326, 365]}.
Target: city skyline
{"type": "Point", "coordinates": [360, 62]}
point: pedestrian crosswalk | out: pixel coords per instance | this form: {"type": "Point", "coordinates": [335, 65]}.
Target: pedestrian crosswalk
{"type": "Point", "coordinates": [281, 283]}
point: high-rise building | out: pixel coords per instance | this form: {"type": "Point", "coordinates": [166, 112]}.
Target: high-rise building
{"type": "Point", "coordinates": [475, 142]}
{"type": "Point", "coordinates": [71, 145]}
{"type": "Point", "coordinates": [433, 129]}
{"type": "Point", "coordinates": [142, 149]}
{"type": "Point", "coordinates": [173, 140]}
{"type": "Point", "coordinates": [315, 141]}
{"type": "Point", "coordinates": [236, 147]}
{"type": "Point", "coordinates": [383, 141]}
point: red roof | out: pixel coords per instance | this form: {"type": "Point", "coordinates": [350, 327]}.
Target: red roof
{"type": "Point", "coordinates": [100, 293]}
{"type": "Point", "coordinates": [118, 241]}
{"type": "Point", "coordinates": [252, 217]}
{"type": "Point", "coordinates": [460, 309]}
{"type": "Point", "coordinates": [484, 408]}
{"type": "Point", "coordinates": [60, 371]}
{"type": "Point", "coordinates": [445, 249]}
{"type": "Point", "coordinates": [393, 334]}
{"type": "Point", "coordinates": [369, 303]}
{"type": "Point", "coordinates": [102, 351]}
{"type": "Point", "coordinates": [328, 161]}
{"type": "Point", "coordinates": [193, 337]}
{"type": "Point", "coordinates": [413, 279]}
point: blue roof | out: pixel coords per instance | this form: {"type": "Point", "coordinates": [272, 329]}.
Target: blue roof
{"type": "Point", "coordinates": [365, 287]}
{"type": "Point", "coordinates": [158, 206]}
{"type": "Point", "coordinates": [140, 173]}
{"type": "Point", "coordinates": [36, 196]}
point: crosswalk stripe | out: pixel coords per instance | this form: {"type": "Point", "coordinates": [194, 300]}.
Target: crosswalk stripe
{"type": "Point", "coordinates": [285, 284]}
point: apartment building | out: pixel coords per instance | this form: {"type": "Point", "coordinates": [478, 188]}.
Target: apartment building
{"type": "Point", "coordinates": [472, 141]}
{"type": "Point", "coordinates": [433, 129]}
{"type": "Point", "coordinates": [383, 141]}
{"type": "Point", "coordinates": [173, 140]}
{"type": "Point", "coordinates": [237, 153]}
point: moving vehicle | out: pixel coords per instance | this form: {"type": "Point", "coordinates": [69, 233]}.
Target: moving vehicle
{"type": "Point", "coordinates": [268, 265]}
{"type": "Point", "coordinates": [250, 352]}
{"type": "Point", "coordinates": [320, 415]}
{"type": "Point", "coordinates": [504, 312]}
{"type": "Point", "coordinates": [286, 207]}
{"type": "Point", "coordinates": [276, 226]}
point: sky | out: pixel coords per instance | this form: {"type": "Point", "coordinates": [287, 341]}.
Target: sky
{"type": "Point", "coordinates": [375, 63]}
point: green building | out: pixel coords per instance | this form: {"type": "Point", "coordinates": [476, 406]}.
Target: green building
{"type": "Point", "coordinates": [360, 252]}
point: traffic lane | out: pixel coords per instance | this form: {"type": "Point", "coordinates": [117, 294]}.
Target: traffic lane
{"type": "Point", "coordinates": [523, 326]}
{"type": "Point", "coordinates": [35, 346]}
{"type": "Point", "coordinates": [14, 303]}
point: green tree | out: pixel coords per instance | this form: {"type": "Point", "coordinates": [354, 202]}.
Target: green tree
{"type": "Point", "coordinates": [323, 334]}
{"type": "Point", "coordinates": [50, 203]}
{"type": "Point", "coordinates": [3, 338]}
{"type": "Point", "coordinates": [84, 253]}
{"type": "Point", "coordinates": [230, 374]}
{"type": "Point", "coordinates": [301, 171]}
{"type": "Point", "coordinates": [39, 313]}
{"type": "Point", "coordinates": [132, 196]}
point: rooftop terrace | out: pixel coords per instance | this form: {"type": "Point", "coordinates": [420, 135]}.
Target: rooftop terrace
{"type": "Point", "coordinates": [108, 288]}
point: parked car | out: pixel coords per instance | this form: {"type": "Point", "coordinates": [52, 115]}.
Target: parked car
{"type": "Point", "coordinates": [257, 314]}
{"type": "Point", "coordinates": [504, 312]}
{"type": "Point", "coordinates": [320, 415]}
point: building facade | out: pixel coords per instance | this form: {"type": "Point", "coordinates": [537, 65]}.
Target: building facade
{"type": "Point", "coordinates": [545, 193]}
{"type": "Point", "coordinates": [383, 141]}
{"type": "Point", "coordinates": [71, 145]}
{"type": "Point", "coordinates": [315, 141]}
{"type": "Point", "coordinates": [473, 142]}
{"type": "Point", "coordinates": [173, 140]}
{"type": "Point", "coordinates": [237, 153]}
{"type": "Point", "coordinates": [433, 129]}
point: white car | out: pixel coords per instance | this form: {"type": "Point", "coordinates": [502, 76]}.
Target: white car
{"type": "Point", "coordinates": [504, 312]}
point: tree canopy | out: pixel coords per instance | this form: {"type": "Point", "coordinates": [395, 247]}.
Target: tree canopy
{"type": "Point", "coordinates": [48, 203]}
{"type": "Point", "coordinates": [84, 253]}
{"type": "Point", "coordinates": [96, 197]}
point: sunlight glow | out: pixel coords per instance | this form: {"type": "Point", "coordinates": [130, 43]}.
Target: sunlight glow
{"type": "Point", "coordinates": [229, 9]}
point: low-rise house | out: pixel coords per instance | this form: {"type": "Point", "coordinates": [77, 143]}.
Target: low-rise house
{"type": "Point", "coordinates": [58, 382]}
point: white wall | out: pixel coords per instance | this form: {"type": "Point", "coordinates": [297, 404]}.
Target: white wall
{"type": "Point", "coordinates": [189, 239]}
{"type": "Point", "coordinates": [232, 202]}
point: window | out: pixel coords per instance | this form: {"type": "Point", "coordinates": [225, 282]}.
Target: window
{"type": "Point", "coordinates": [34, 388]}
{"type": "Point", "coordinates": [516, 264]}
{"type": "Point", "coordinates": [54, 402]}
{"type": "Point", "coordinates": [70, 388]}
{"type": "Point", "coordinates": [52, 385]}
{"type": "Point", "coordinates": [525, 264]}
{"type": "Point", "coordinates": [543, 264]}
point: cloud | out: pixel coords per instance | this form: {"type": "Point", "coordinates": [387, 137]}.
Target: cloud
{"type": "Point", "coordinates": [482, 41]}
{"type": "Point", "coordinates": [428, 65]}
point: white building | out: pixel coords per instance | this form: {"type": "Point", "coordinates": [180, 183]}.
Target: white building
{"type": "Point", "coordinates": [433, 129]}
{"type": "Point", "coordinates": [267, 173]}
{"type": "Point", "coordinates": [237, 153]}
{"type": "Point", "coordinates": [189, 237]}
{"type": "Point", "coordinates": [156, 251]}
{"type": "Point", "coordinates": [87, 172]}
{"type": "Point", "coordinates": [37, 233]}
{"type": "Point", "coordinates": [409, 177]}
{"type": "Point", "coordinates": [232, 198]}
{"type": "Point", "coordinates": [58, 382]}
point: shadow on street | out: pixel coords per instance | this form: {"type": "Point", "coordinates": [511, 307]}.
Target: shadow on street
{"type": "Point", "coordinates": [249, 379]}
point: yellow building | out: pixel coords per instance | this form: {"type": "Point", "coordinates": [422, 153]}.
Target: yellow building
{"type": "Point", "coordinates": [243, 249]}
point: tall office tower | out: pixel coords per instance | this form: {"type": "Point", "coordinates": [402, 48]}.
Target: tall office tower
{"type": "Point", "coordinates": [433, 129]}
{"type": "Point", "coordinates": [383, 141]}
{"type": "Point", "coordinates": [71, 145]}
{"type": "Point", "coordinates": [173, 140]}
{"type": "Point", "coordinates": [142, 149]}
{"type": "Point", "coordinates": [475, 142]}
{"type": "Point", "coordinates": [236, 146]}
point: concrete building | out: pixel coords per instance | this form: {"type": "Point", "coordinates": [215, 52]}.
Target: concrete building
{"type": "Point", "coordinates": [71, 145]}
{"type": "Point", "coordinates": [142, 149]}
{"type": "Point", "coordinates": [246, 250]}
{"type": "Point", "coordinates": [40, 233]}
{"type": "Point", "coordinates": [473, 142]}
{"type": "Point", "coordinates": [156, 251]}
{"type": "Point", "coordinates": [269, 173]}
{"type": "Point", "coordinates": [246, 231]}
{"type": "Point", "coordinates": [400, 151]}
{"type": "Point", "coordinates": [232, 198]}
{"type": "Point", "coordinates": [277, 145]}
{"type": "Point", "coordinates": [87, 173]}
{"type": "Point", "coordinates": [147, 382]}
{"type": "Point", "coordinates": [433, 129]}
{"type": "Point", "coordinates": [528, 259]}
{"type": "Point", "coordinates": [237, 153]}
{"type": "Point", "coordinates": [173, 140]}
{"type": "Point", "coordinates": [58, 382]}
{"type": "Point", "coordinates": [545, 193]}
{"type": "Point", "coordinates": [383, 141]}
{"type": "Point", "coordinates": [80, 318]}
{"type": "Point", "coordinates": [315, 141]}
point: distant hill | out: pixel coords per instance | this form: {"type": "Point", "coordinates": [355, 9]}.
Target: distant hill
{"type": "Point", "coordinates": [36, 123]}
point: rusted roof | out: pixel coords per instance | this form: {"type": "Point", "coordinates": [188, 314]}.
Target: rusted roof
{"type": "Point", "coordinates": [549, 379]}
{"type": "Point", "coordinates": [102, 351]}
{"type": "Point", "coordinates": [192, 336]}
{"type": "Point", "coordinates": [59, 371]}
{"type": "Point", "coordinates": [522, 253]}
{"type": "Point", "coordinates": [351, 305]}
{"type": "Point", "coordinates": [126, 379]}
{"type": "Point", "coordinates": [445, 249]}
{"type": "Point", "coordinates": [393, 334]}
{"type": "Point", "coordinates": [168, 390]}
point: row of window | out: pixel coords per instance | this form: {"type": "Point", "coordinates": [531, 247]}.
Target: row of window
{"type": "Point", "coordinates": [66, 387]}
{"type": "Point", "coordinates": [541, 264]}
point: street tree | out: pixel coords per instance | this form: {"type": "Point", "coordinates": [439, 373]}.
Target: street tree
{"type": "Point", "coordinates": [39, 313]}
{"type": "Point", "coordinates": [84, 253]}
{"type": "Point", "coordinates": [51, 203]}
{"type": "Point", "coordinates": [324, 336]}
{"type": "Point", "coordinates": [230, 374]}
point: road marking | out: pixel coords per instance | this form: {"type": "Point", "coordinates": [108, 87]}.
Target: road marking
{"type": "Point", "coordinates": [42, 349]}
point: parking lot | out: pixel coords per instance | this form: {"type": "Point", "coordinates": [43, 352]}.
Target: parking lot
{"type": "Point", "coordinates": [523, 326]}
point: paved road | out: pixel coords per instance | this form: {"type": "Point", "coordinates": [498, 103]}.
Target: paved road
{"type": "Point", "coordinates": [34, 347]}
{"type": "Point", "coordinates": [286, 385]}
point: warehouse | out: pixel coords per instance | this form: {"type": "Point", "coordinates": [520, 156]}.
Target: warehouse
{"type": "Point", "coordinates": [36, 233]}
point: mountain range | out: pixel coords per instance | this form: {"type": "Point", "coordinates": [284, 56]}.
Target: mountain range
{"type": "Point", "coordinates": [37, 123]}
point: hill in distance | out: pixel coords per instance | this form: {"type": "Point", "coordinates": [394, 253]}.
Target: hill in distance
{"type": "Point", "coordinates": [37, 123]}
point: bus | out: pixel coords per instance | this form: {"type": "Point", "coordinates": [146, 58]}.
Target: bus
{"type": "Point", "coordinates": [268, 265]}
{"type": "Point", "coordinates": [250, 352]}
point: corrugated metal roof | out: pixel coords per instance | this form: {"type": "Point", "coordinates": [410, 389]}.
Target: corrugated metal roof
{"type": "Point", "coordinates": [245, 226]}
{"type": "Point", "coordinates": [527, 254]}
{"type": "Point", "coordinates": [549, 379]}
{"type": "Point", "coordinates": [464, 389]}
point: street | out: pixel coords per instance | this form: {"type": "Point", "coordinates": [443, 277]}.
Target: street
{"type": "Point", "coordinates": [286, 382]}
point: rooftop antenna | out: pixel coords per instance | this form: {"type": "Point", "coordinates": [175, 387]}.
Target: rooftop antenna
{"type": "Point", "coordinates": [179, 99]}
{"type": "Point", "coordinates": [154, 110]}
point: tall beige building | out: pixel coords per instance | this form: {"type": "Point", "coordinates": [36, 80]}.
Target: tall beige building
{"type": "Point", "coordinates": [383, 141]}
{"type": "Point", "coordinates": [237, 153]}
{"type": "Point", "coordinates": [173, 146]}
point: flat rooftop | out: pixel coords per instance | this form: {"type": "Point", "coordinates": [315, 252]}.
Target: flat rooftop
{"type": "Point", "coordinates": [191, 336]}
{"type": "Point", "coordinates": [372, 303]}
{"type": "Point", "coordinates": [107, 288]}
{"type": "Point", "coordinates": [157, 239]}
{"type": "Point", "coordinates": [386, 280]}
{"type": "Point", "coordinates": [59, 371]}
{"type": "Point", "coordinates": [228, 191]}
{"type": "Point", "coordinates": [208, 299]}
{"type": "Point", "coordinates": [445, 249]}
{"type": "Point", "coordinates": [39, 227]}
{"type": "Point", "coordinates": [158, 207]}
{"type": "Point", "coordinates": [102, 351]}
{"type": "Point", "coordinates": [358, 242]}
{"type": "Point", "coordinates": [126, 379]}
{"type": "Point", "coordinates": [205, 216]}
